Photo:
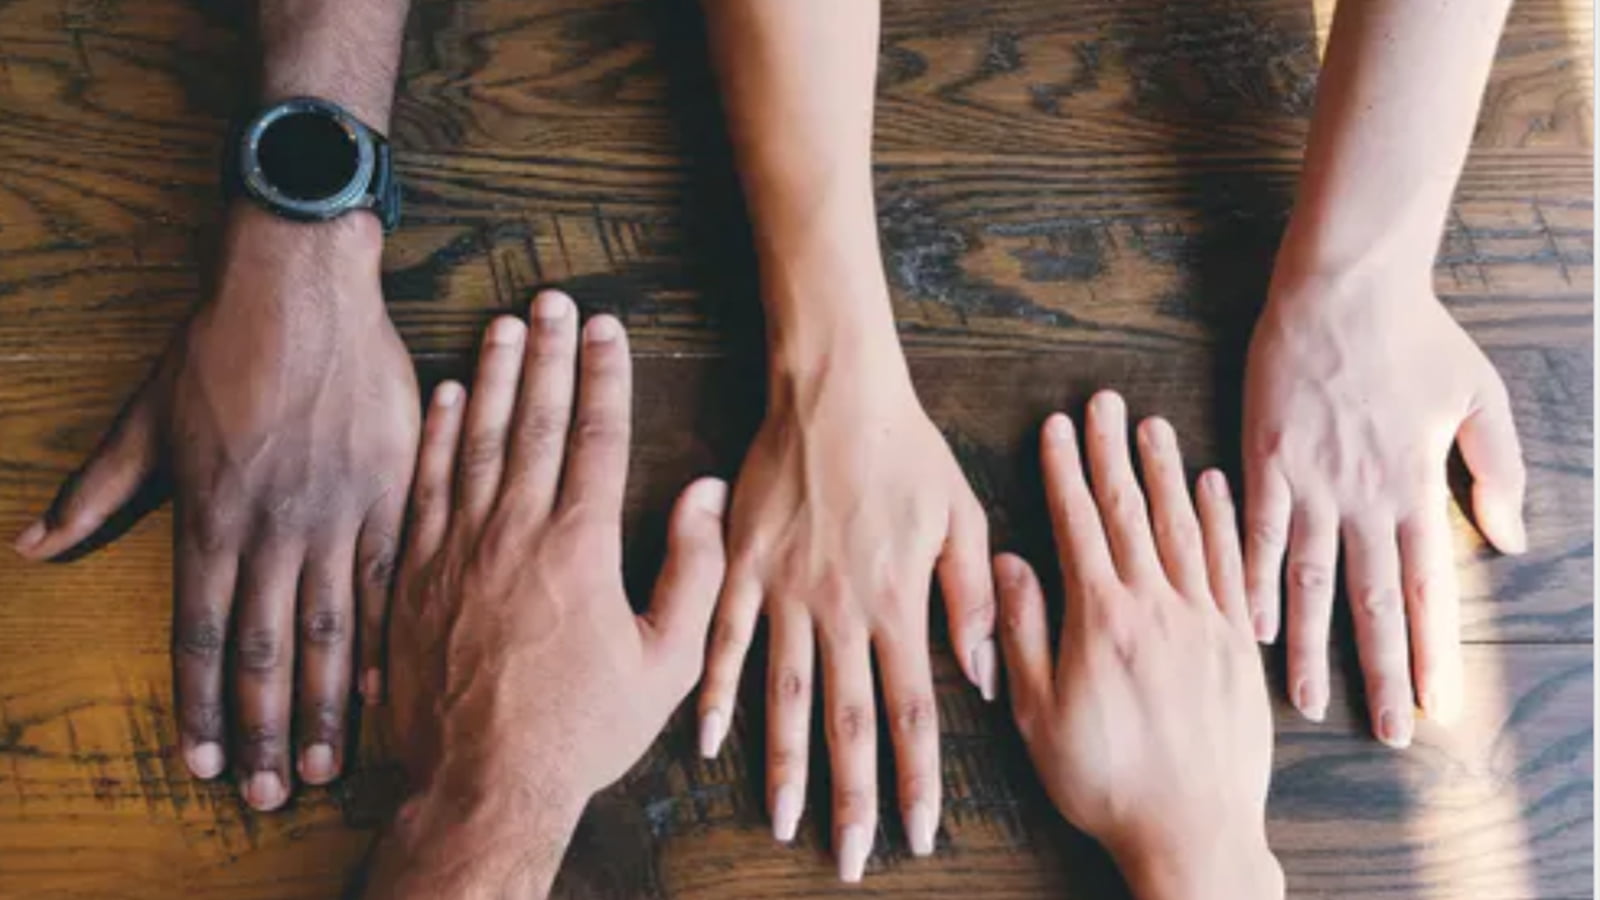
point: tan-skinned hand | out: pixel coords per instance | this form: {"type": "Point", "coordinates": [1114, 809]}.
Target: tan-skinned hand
{"type": "Point", "coordinates": [523, 682]}
{"type": "Point", "coordinates": [1151, 729]}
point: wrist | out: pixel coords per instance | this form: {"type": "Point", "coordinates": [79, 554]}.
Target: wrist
{"type": "Point", "coordinates": [1308, 273]}
{"type": "Point", "coordinates": [1211, 865]}
{"type": "Point", "coordinates": [299, 264]}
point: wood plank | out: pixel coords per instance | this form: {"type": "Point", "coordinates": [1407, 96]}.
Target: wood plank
{"type": "Point", "coordinates": [1114, 177]}
{"type": "Point", "coordinates": [94, 802]}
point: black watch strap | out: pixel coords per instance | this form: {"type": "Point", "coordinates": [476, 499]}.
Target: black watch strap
{"type": "Point", "coordinates": [385, 187]}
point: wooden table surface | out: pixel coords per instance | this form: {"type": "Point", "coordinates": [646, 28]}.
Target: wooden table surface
{"type": "Point", "coordinates": [1073, 193]}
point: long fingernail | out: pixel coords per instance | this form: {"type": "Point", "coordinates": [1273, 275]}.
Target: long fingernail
{"type": "Point", "coordinates": [1263, 628]}
{"type": "Point", "coordinates": [786, 806]}
{"type": "Point", "coordinates": [204, 760]}
{"type": "Point", "coordinates": [1394, 729]}
{"type": "Point", "coordinates": [372, 686]}
{"type": "Point", "coordinates": [31, 536]}
{"type": "Point", "coordinates": [921, 824]}
{"type": "Point", "coordinates": [316, 764]}
{"type": "Point", "coordinates": [1308, 703]}
{"type": "Point", "coordinates": [1516, 539]}
{"type": "Point", "coordinates": [713, 728]}
{"type": "Point", "coordinates": [264, 791]}
{"type": "Point", "coordinates": [855, 844]}
{"type": "Point", "coordinates": [983, 668]}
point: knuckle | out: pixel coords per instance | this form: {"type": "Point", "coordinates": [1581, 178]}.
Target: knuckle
{"type": "Point", "coordinates": [203, 719]}
{"type": "Point", "coordinates": [1177, 532]}
{"type": "Point", "coordinates": [916, 716]}
{"type": "Point", "coordinates": [322, 720]}
{"type": "Point", "coordinates": [788, 685]}
{"type": "Point", "coordinates": [1310, 576]}
{"type": "Point", "coordinates": [262, 739]}
{"type": "Point", "coordinates": [285, 515]}
{"type": "Point", "coordinates": [598, 430]}
{"type": "Point", "coordinates": [1263, 532]}
{"type": "Point", "coordinates": [483, 452]}
{"type": "Point", "coordinates": [377, 570]}
{"type": "Point", "coordinates": [324, 626]}
{"type": "Point", "coordinates": [783, 759]}
{"type": "Point", "coordinates": [854, 803]}
{"type": "Point", "coordinates": [544, 427]}
{"type": "Point", "coordinates": [1124, 501]}
{"type": "Point", "coordinates": [728, 639]}
{"type": "Point", "coordinates": [852, 722]}
{"type": "Point", "coordinates": [914, 787]}
{"type": "Point", "coordinates": [199, 640]}
{"type": "Point", "coordinates": [260, 650]}
{"type": "Point", "coordinates": [209, 527]}
{"type": "Point", "coordinates": [1377, 601]}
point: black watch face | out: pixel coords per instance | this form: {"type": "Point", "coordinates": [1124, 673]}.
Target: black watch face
{"type": "Point", "coordinates": [308, 158]}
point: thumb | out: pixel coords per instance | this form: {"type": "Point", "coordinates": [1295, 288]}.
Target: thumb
{"type": "Point", "coordinates": [1489, 446]}
{"type": "Point", "coordinates": [686, 593]}
{"type": "Point", "coordinates": [126, 458]}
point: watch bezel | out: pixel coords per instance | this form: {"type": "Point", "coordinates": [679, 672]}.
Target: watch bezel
{"type": "Point", "coordinates": [354, 195]}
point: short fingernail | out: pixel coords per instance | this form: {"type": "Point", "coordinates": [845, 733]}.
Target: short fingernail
{"type": "Point", "coordinates": [711, 495]}
{"type": "Point", "coordinates": [602, 329]}
{"type": "Point", "coordinates": [855, 844]}
{"type": "Point", "coordinates": [786, 805]}
{"type": "Point", "coordinates": [551, 306]}
{"type": "Point", "coordinates": [713, 728]}
{"type": "Point", "coordinates": [264, 791]}
{"type": "Point", "coordinates": [372, 686]}
{"type": "Point", "coordinates": [1058, 427]}
{"type": "Point", "coordinates": [921, 824]}
{"type": "Point", "coordinates": [1214, 481]}
{"type": "Point", "coordinates": [204, 760]}
{"type": "Point", "coordinates": [316, 764]}
{"type": "Point", "coordinates": [1394, 729]}
{"type": "Point", "coordinates": [31, 536]}
{"type": "Point", "coordinates": [1307, 701]}
{"type": "Point", "coordinates": [448, 394]}
{"type": "Point", "coordinates": [983, 668]}
{"type": "Point", "coordinates": [506, 330]}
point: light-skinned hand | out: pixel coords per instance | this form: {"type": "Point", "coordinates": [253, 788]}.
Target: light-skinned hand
{"type": "Point", "coordinates": [1150, 728]}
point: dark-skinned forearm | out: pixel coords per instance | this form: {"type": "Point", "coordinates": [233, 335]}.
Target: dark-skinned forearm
{"type": "Point", "coordinates": [347, 51]}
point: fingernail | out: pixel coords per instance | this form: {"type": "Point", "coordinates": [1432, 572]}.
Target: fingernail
{"type": "Point", "coordinates": [31, 536]}
{"type": "Point", "coordinates": [448, 394]}
{"type": "Point", "coordinates": [1215, 482]}
{"type": "Point", "coordinates": [372, 686]}
{"type": "Point", "coordinates": [1308, 705]}
{"type": "Point", "coordinates": [551, 306]}
{"type": "Point", "coordinates": [204, 760]}
{"type": "Point", "coordinates": [1106, 402]}
{"type": "Point", "coordinates": [713, 728]}
{"type": "Point", "coordinates": [1263, 629]}
{"type": "Point", "coordinates": [1394, 729]}
{"type": "Point", "coordinates": [506, 330]}
{"type": "Point", "coordinates": [855, 843]}
{"type": "Point", "coordinates": [983, 668]}
{"type": "Point", "coordinates": [921, 824]}
{"type": "Point", "coordinates": [602, 329]}
{"type": "Point", "coordinates": [786, 806]}
{"type": "Point", "coordinates": [1058, 427]}
{"type": "Point", "coordinates": [1516, 540]}
{"type": "Point", "coordinates": [264, 791]}
{"type": "Point", "coordinates": [316, 764]}
{"type": "Point", "coordinates": [711, 495]}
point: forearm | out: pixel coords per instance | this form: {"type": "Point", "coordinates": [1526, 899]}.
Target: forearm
{"type": "Point", "coordinates": [1396, 106]}
{"type": "Point", "coordinates": [798, 84]}
{"type": "Point", "coordinates": [346, 51]}
{"type": "Point", "coordinates": [1213, 866]}
{"type": "Point", "coordinates": [472, 838]}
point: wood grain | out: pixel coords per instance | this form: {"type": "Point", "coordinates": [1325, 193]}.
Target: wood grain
{"type": "Point", "coordinates": [1073, 194]}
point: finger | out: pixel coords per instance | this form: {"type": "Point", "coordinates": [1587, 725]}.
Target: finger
{"type": "Point", "coordinates": [128, 456]}
{"type": "Point", "coordinates": [686, 593]}
{"type": "Point", "coordinates": [597, 461]}
{"type": "Point", "coordinates": [789, 680]}
{"type": "Point", "coordinates": [327, 636]}
{"type": "Point", "coordinates": [374, 575]}
{"type": "Point", "coordinates": [1219, 527]}
{"type": "Point", "coordinates": [204, 570]}
{"type": "Point", "coordinates": [1372, 572]}
{"type": "Point", "coordinates": [436, 463]}
{"type": "Point", "coordinates": [1025, 639]}
{"type": "Point", "coordinates": [1313, 550]}
{"type": "Point", "coordinates": [1116, 490]}
{"type": "Point", "coordinates": [1267, 510]}
{"type": "Point", "coordinates": [969, 593]}
{"type": "Point", "coordinates": [907, 675]}
{"type": "Point", "coordinates": [264, 673]}
{"type": "Point", "coordinates": [1433, 609]}
{"type": "Point", "coordinates": [737, 610]}
{"type": "Point", "coordinates": [1080, 538]}
{"type": "Point", "coordinates": [483, 442]}
{"type": "Point", "coordinates": [544, 405]}
{"type": "Point", "coordinates": [1177, 529]}
{"type": "Point", "coordinates": [1492, 452]}
{"type": "Point", "coordinates": [852, 748]}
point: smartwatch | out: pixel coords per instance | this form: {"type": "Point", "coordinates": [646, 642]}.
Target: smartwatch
{"type": "Point", "coordinates": [310, 160]}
